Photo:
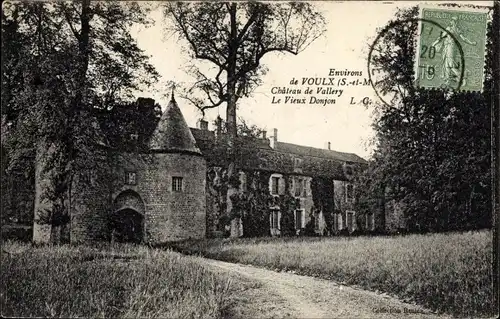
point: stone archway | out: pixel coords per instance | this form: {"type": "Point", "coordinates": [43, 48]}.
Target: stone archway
{"type": "Point", "coordinates": [127, 219]}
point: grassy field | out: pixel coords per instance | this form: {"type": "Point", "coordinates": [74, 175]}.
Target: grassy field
{"type": "Point", "coordinates": [110, 281]}
{"type": "Point", "coordinates": [448, 273]}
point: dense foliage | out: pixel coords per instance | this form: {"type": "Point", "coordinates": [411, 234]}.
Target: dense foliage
{"type": "Point", "coordinates": [129, 125]}
{"type": "Point", "coordinates": [61, 61]}
{"type": "Point", "coordinates": [433, 147]}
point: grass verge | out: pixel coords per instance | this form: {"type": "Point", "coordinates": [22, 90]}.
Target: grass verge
{"type": "Point", "coordinates": [449, 272]}
{"type": "Point", "coordinates": [108, 281]}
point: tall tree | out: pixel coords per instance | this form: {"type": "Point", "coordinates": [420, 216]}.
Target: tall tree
{"type": "Point", "coordinates": [74, 56]}
{"type": "Point", "coordinates": [232, 38]}
{"type": "Point", "coordinates": [433, 154]}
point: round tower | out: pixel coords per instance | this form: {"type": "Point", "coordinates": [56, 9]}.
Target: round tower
{"type": "Point", "coordinates": [174, 181]}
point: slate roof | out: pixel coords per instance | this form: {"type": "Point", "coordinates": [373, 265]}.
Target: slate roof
{"type": "Point", "coordinates": [172, 133]}
{"type": "Point", "coordinates": [319, 152]}
{"type": "Point", "coordinates": [257, 154]}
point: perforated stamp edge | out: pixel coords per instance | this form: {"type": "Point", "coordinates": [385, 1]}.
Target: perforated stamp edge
{"type": "Point", "coordinates": [466, 8]}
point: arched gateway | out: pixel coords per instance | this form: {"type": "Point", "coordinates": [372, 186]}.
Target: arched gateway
{"type": "Point", "coordinates": [127, 218]}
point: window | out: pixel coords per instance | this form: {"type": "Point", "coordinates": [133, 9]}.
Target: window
{"type": "Point", "coordinates": [297, 203]}
{"type": "Point", "coordinates": [275, 182]}
{"type": "Point", "coordinates": [349, 193]}
{"type": "Point", "coordinates": [299, 219]}
{"type": "Point", "coordinates": [86, 177]}
{"type": "Point", "coordinates": [176, 184]}
{"type": "Point", "coordinates": [300, 187]}
{"type": "Point", "coordinates": [275, 219]}
{"type": "Point", "coordinates": [337, 222]}
{"type": "Point", "coordinates": [131, 178]}
{"type": "Point", "coordinates": [350, 220]}
{"type": "Point", "coordinates": [317, 216]}
{"type": "Point", "coordinates": [370, 221]}
{"type": "Point", "coordinates": [297, 165]}
{"type": "Point", "coordinates": [348, 170]}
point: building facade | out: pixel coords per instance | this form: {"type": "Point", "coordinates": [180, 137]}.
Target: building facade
{"type": "Point", "coordinates": [165, 192]}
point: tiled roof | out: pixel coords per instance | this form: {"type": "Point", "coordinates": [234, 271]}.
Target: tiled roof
{"type": "Point", "coordinates": [172, 133]}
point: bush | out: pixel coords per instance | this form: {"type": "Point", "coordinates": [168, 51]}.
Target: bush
{"type": "Point", "coordinates": [21, 233]}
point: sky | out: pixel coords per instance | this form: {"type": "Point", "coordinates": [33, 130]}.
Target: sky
{"type": "Point", "coordinates": [350, 30]}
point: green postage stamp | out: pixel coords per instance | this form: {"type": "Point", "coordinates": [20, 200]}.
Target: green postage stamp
{"type": "Point", "coordinates": [451, 48]}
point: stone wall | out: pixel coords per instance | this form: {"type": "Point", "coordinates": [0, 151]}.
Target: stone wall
{"type": "Point", "coordinates": [91, 204]}
{"type": "Point", "coordinates": [175, 215]}
{"type": "Point", "coordinates": [169, 215]}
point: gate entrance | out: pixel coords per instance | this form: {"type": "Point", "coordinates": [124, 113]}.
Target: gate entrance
{"type": "Point", "coordinates": [126, 226]}
{"type": "Point", "coordinates": [127, 219]}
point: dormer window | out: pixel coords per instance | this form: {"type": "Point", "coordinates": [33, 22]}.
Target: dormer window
{"type": "Point", "coordinates": [349, 170]}
{"type": "Point", "coordinates": [297, 165]}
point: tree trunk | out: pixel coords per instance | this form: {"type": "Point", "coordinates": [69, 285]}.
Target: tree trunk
{"type": "Point", "coordinates": [42, 228]}
{"type": "Point", "coordinates": [231, 121]}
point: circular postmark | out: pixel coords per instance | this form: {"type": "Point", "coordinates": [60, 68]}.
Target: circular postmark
{"type": "Point", "coordinates": [387, 85]}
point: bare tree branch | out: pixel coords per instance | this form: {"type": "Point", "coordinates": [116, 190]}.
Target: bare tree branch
{"type": "Point", "coordinates": [235, 38]}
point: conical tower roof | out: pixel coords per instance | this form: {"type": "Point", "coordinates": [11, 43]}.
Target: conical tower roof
{"type": "Point", "coordinates": [172, 133]}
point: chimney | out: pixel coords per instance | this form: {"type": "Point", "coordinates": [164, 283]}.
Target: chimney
{"type": "Point", "coordinates": [202, 125]}
{"type": "Point", "coordinates": [264, 133]}
{"type": "Point", "coordinates": [328, 146]}
{"type": "Point", "coordinates": [218, 126]}
{"type": "Point", "coordinates": [274, 138]}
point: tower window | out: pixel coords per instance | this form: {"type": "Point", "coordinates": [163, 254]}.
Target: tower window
{"type": "Point", "coordinates": [131, 178]}
{"type": "Point", "coordinates": [176, 184]}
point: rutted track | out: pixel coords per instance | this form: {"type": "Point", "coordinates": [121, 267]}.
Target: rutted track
{"type": "Point", "coordinates": [287, 295]}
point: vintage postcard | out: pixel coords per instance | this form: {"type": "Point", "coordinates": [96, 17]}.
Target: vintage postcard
{"type": "Point", "coordinates": [250, 159]}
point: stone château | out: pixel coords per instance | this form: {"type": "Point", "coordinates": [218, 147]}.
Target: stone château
{"type": "Point", "coordinates": [165, 192]}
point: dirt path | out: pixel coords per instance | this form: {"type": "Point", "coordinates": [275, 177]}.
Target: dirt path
{"type": "Point", "coordinates": [269, 294]}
